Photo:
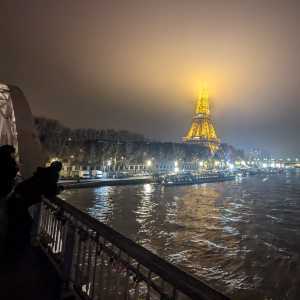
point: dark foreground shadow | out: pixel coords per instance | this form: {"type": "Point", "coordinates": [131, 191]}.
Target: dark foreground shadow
{"type": "Point", "coordinates": [30, 277]}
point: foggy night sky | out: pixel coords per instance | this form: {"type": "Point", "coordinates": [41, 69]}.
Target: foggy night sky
{"type": "Point", "coordinates": [138, 65]}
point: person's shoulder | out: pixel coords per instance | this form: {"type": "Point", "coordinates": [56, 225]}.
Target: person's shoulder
{"type": "Point", "coordinates": [40, 170]}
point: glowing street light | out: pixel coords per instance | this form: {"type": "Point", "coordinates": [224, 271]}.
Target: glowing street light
{"type": "Point", "coordinates": [149, 163]}
{"type": "Point", "coordinates": [230, 166]}
{"type": "Point", "coordinates": [54, 159]}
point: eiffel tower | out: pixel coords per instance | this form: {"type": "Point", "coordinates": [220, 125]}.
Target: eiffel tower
{"type": "Point", "coordinates": [202, 130]}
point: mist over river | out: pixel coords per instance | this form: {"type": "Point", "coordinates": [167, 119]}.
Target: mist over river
{"type": "Point", "coordinates": [241, 237]}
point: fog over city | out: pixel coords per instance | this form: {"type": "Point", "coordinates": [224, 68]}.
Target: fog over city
{"type": "Point", "coordinates": [139, 65]}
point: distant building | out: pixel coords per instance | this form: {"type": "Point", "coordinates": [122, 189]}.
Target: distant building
{"type": "Point", "coordinates": [202, 130]}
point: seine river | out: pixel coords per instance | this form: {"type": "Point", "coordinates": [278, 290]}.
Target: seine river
{"type": "Point", "coordinates": [241, 237]}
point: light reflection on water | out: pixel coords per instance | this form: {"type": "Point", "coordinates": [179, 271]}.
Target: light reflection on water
{"type": "Point", "coordinates": [241, 237]}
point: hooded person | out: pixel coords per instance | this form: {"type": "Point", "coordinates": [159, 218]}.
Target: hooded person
{"type": "Point", "coordinates": [26, 194]}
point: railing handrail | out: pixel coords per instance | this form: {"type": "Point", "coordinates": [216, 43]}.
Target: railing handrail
{"type": "Point", "coordinates": [184, 282]}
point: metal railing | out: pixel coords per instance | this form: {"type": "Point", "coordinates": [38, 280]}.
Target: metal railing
{"type": "Point", "coordinates": [96, 262]}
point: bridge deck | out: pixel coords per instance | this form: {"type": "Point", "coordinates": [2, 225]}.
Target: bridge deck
{"type": "Point", "coordinates": [31, 277]}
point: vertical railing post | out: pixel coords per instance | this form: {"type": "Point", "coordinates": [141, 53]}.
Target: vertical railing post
{"type": "Point", "coordinates": [68, 255]}
{"type": "Point", "coordinates": [36, 215]}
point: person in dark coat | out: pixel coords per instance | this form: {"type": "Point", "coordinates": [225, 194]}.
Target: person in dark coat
{"type": "Point", "coordinates": [27, 193]}
{"type": "Point", "coordinates": [8, 172]}
{"type": "Point", "coordinates": [52, 175]}
{"type": "Point", "coordinates": [8, 169]}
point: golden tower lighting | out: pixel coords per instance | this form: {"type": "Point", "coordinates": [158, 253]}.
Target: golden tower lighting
{"type": "Point", "coordinates": [202, 130]}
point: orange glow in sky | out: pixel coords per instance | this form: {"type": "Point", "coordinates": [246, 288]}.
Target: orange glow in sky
{"type": "Point", "coordinates": [140, 65]}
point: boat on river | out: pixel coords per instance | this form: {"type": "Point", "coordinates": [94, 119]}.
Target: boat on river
{"type": "Point", "coordinates": [190, 178]}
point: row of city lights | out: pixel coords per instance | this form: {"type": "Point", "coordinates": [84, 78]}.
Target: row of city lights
{"type": "Point", "coordinates": [264, 163]}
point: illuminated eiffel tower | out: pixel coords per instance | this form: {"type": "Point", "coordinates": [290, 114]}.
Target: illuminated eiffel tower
{"type": "Point", "coordinates": [202, 130]}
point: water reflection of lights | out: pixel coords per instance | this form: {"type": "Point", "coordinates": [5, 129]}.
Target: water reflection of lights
{"type": "Point", "coordinates": [103, 205]}
{"type": "Point", "coordinates": [144, 215]}
{"type": "Point", "coordinates": [148, 189]}
{"type": "Point", "coordinates": [238, 178]}
{"type": "Point", "coordinates": [208, 230]}
{"type": "Point", "coordinates": [102, 191]}
{"type": "Point", "coordinates": [197, 205]}
{"type": "Point", "coordinates": [145, 206]}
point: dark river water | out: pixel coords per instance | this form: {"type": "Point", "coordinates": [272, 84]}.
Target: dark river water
{"type": "Point", "coordinates": [241, 237]}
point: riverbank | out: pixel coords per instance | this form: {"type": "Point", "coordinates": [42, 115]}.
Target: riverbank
{"type": "Point", "coordinates": [90, 183]}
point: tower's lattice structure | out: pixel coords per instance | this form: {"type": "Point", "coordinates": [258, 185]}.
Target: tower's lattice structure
{"type": "Point", "coordinates": [202, 130]}
{"type": "Point", "coordinates": [8, 130]}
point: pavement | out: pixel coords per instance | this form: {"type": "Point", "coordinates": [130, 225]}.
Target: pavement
{"type": "Point", "coordinates": [31, 277]}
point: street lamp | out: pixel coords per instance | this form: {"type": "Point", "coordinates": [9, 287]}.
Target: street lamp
{"type": "Point", "coordinates": [176, 169]}
{"type": "Point", "coordinates": [230, 166]}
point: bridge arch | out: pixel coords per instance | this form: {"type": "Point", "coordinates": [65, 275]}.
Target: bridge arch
{"type": "Point", "coordinates": [17, 128]}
